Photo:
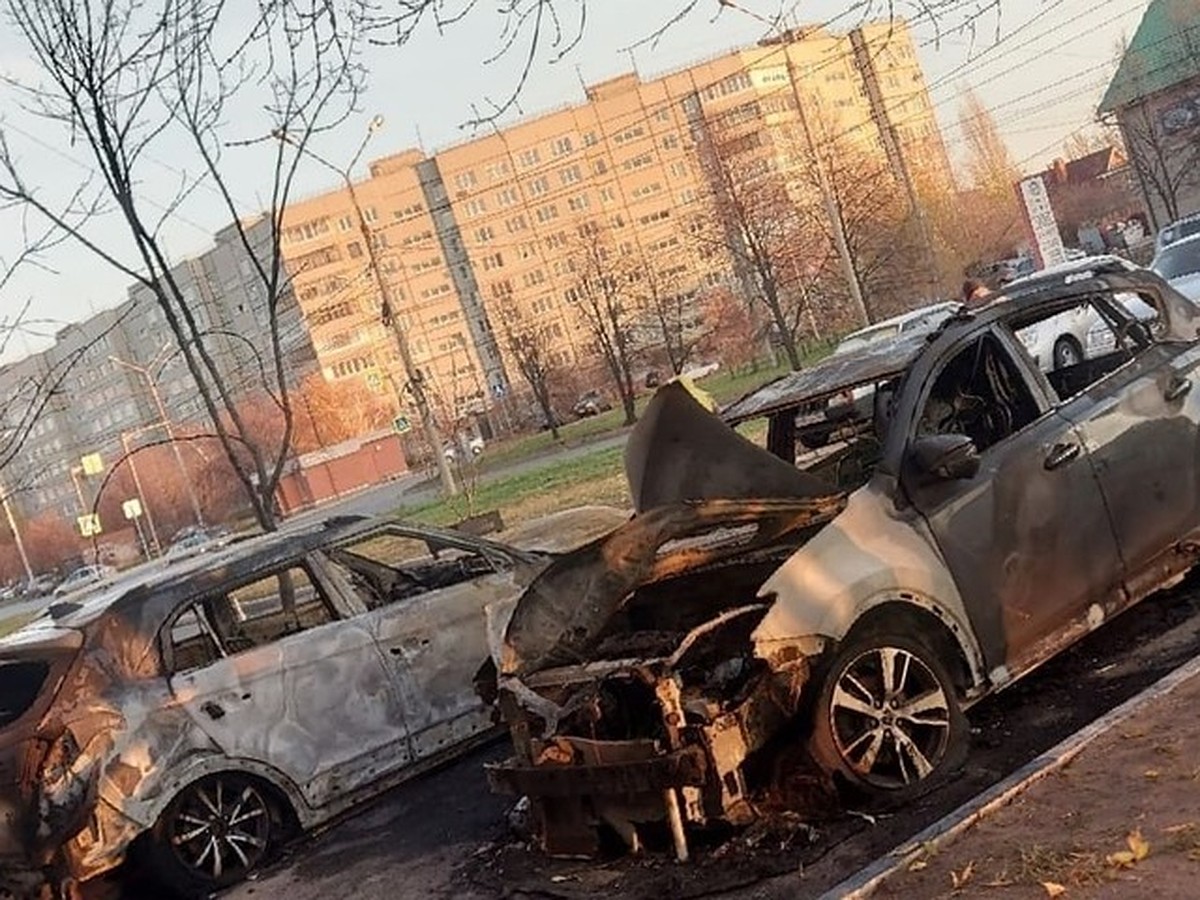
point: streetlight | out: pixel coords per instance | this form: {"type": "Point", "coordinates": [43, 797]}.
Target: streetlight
{"type": "Point", "coordinates": [16, 533]}
{"type": "Point", "coordinates": [388, 309]}
{"type": "Point", "coordinates": [786, 37]}
{"type": "Point", "coordinates": [146, 372]}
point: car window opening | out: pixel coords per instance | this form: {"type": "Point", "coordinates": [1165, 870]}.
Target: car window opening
{"type": "Point", "coordinates": [980, 393]}
{"type": "Point", "coordinates": [20, 683]}
{"type": "Point", "coordinates": [383, 572]}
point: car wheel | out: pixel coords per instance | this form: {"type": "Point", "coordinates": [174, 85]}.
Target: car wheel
{"type": "Point", "coordinates": [1067, 353]}
{"type": "Point", "coordinates": [887, 722]}
{"type": "Point", "coordinates": [213, 834]}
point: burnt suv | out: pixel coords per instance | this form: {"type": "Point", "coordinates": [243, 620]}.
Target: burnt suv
{"type": "Point", "coordinates": [756, 621]}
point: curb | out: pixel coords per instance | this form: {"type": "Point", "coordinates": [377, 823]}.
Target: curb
{"type": "Point", "coordinates": [863, 883]}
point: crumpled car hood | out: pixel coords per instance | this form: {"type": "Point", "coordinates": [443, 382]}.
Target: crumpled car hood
{"type": "Point", "coordinates": [681, 451]}
{"type": "Point", "coordinates": [701, 492]}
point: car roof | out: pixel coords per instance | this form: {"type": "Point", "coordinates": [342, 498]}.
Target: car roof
{"type": "Point", "coordinates": [164, 584]}
{"type": "Point", "coordinates": [882, 360]}
{"type": "Point", "coordinates": [903, 318]}
{"type": "Point", "coordinates": [872, 362]}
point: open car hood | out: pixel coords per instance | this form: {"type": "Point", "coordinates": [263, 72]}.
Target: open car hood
{"type": "Point", "coordinates": [703, 494]}
{"type": "Point", "coordinates": [681, 451]}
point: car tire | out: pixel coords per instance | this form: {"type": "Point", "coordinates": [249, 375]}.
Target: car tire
{"type": "Point", "coordinates": [1067, 353]}
{"type": "Point", "coordinates": [887, 740]}
{"type": "Point", "coordinates": [214, 833]}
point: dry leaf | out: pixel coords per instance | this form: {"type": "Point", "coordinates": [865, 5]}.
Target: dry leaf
{"type": "Point", "coordinates": [1183, 826]}
{"type": "Point", "coordinates": [1194, 855]}
{"type": "Point", "coordinates": [1139, 845]}
{"type": "Point", "coordinates": [917, 865]}
{"type": "Point", "coordinates": [960, 879]}
{"type": "Point", "coordinates": [1122, 859]}
{"type": "Point", "coordinates": [1053, 889]}
{"type": "Point", "coordinates": [1151, 773]}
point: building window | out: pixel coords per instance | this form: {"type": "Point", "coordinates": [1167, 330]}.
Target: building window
{"type": "Point", "coordinates": [579, 203]}
{"type": "Point", "coordinates": [370, 214]}
{"type": "Point", "coordinates": [570, 175]}
{"type": "Point", "coordinates": [600, 167]}
{"type": "Point", "coordinates": [547, 213]}
{"type": "Point", "coordinates": [354, 248]}
{"type": "Point", "coordinates": [345, 223]}
{"type": "Point", "coordinates": [528, 158]}
{"type": "Point", "coordinates": [516, 223]}
{"type": "Point", "coordinates": [476, 206]}
{"type": "Point", "coordinates": [497, 170]}
{"type": "Point", "coordinates": [561, 146]}
{"type": "Point", "coordinates": [507, 197]}
{"type": "Point", "coordinates": [465, 180]}
{"type": "Point", "coordinates": [539, 186]}
{"type": "Point", "coordinates": [485, 234]}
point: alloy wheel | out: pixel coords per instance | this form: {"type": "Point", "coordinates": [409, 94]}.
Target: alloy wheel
{"type": "Point", "coordinates": [890, 717]}
{"type": "Point", "coordinates": [221, 828]}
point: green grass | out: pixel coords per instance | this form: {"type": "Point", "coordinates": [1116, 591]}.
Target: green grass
{"type": "Point", "coordinates": [594, 478]}
{"type": "Point", "coordinates": [12, 623]}
{"type": "Point", "coordinates": [723, 386]}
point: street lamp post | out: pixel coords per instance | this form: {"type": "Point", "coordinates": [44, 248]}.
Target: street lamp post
{"type": "Point", "coordinates": [137, 486]}
{"type": "Point", "coordinates": [388, 308]}
{"type": "Point", "coordinates": [148, 375]}
{"type": "Point", "coordinates": [16, 533]}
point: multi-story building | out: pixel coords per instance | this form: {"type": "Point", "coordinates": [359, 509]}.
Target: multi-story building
{"type": "Point", "coordinates": [494, 230]}
{"type": "Point", "coordinates": [95, 386]}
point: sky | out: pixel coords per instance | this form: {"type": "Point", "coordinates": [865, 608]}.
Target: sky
{"type": "Point", "coordinates": [1041, 66]}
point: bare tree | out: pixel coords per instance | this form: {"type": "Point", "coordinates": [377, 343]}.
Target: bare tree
{"type": "Point", "coordinates": [1167, 163]}
{"type": "Point", "coordinates": [127, 78]}
{"type": "Point", "coordinates": [531, 348]}
{"type": "Point", "coordinates": [605, 296]}
{"type": "Point", "coordinates": [677, 319]}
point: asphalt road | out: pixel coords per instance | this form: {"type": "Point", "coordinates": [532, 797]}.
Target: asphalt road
{"type": "Point", "coordinates": [445, 836]}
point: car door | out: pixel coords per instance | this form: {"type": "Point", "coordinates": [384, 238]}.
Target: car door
{"type": "Point", "coordinates": [429, 618]}
{"type": "Point", "coordinates": [272, 672]}
{"type": "Point", "coordinates": [1027, 538]}
{"type": "Point", "coordinates": [1139, 424]}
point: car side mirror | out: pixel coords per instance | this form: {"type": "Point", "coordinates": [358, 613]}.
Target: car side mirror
{"type": "Point", "coordinates": [944, 457]}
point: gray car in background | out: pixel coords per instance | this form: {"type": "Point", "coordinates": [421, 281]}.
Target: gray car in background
{"type": "Point", "coordinates": [1179, 264]}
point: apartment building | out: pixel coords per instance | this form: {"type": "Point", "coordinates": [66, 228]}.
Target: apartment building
{"type": "Point", "coordinates": [95, 386]}
{"type": "Point", "coordinates": [491, 233]}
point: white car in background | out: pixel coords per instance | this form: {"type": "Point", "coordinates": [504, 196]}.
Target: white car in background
{"type": "Point", "coordinates": [818, 426]}
{"type": "Point", "coordinates": [1063, 341]}
{"type": "Point", "coordinates": [1179, 265]}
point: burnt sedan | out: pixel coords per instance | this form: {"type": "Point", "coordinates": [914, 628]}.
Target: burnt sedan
{"type": "Point", "coordinates": [784, 618]}
{"type": "Point", "coordinates": [197, 714]}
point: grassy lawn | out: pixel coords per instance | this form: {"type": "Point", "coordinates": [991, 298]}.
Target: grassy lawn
{"type": "Point", "coordinates": [12, 623]}
{"type": "Point", "coordinates": [594, 478]}
{"type": "Point", "coordinates": [724, 386]}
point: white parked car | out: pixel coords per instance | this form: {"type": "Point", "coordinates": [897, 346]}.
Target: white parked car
{"type": "Point", "coordinates": [82, 577]}
{"type": "Point", "coordinates": [209, 710]}
{"type": "Point", "coordinates": [1179, 264]}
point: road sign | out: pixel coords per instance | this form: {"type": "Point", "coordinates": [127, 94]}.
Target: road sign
{"type": "Point", "coordinates": [1040, 222]}
{"type": "Point", "coordinates": [401, 424]}
{"type": "Point", "coordinates": [374, 382]}
{"type": "Point", "coordinates": [89, 525]}
{"type": "Point", "coordinates": [132, 508]}
{"type": "Point", "coordinates": [92, 464]}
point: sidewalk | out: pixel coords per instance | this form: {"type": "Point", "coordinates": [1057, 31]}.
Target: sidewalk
{"type": "Point", "coordinates": [1121, 819]}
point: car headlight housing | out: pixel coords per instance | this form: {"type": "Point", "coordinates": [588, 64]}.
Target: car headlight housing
{"type": "Point", "coordinates": [1100, 340]}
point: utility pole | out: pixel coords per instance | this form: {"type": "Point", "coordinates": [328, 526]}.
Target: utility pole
{"type": "Point", "coordinates": [148, 375]}
{"type": "Point", "coordinates": [389, 311]}
{"type": "Point", "coordinates": [897, 158]}
{"type": "Point", "coordinates": [137, 486]}
{"type": "Point", "coordinates": [16, 533]}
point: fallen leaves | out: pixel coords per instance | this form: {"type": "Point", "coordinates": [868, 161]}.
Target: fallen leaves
{"type": "Point", "coordinates": [961, 879]}
{"type": "Point", "coordinates": [1053, 889]}
{"type": "Point", "coordinates": [1139, 849]}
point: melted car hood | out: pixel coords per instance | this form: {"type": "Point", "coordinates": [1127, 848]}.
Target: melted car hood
{"type": "Point", "coordinates": [703, 494]}
{"type": "Point", "coordinates": [680, 451]}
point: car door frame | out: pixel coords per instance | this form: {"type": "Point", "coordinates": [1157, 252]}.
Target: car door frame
{"type": "Point", "coordinates": [985, 611]}
{"type": "Point", "coordinates": [327, 784]}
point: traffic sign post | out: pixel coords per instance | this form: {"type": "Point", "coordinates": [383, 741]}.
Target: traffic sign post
{"type": "Point", "coordinates": [401, 425]}
{"type": "Point", "coordinates": [89, 525]}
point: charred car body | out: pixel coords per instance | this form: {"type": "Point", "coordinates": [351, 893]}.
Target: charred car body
{"type": "Point", "coordinates": [200, 712]}
{"type": "Point", "coordinates": [767, 615]}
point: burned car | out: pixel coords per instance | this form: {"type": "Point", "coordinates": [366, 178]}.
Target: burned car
{"type": "Point", "coordinates": [196, 714]}
{"type": "Point", "coordinates": [774, 618]}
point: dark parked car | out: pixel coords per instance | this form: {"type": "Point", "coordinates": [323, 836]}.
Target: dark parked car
{"type": "Point", "coordinates": [986, 515]}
